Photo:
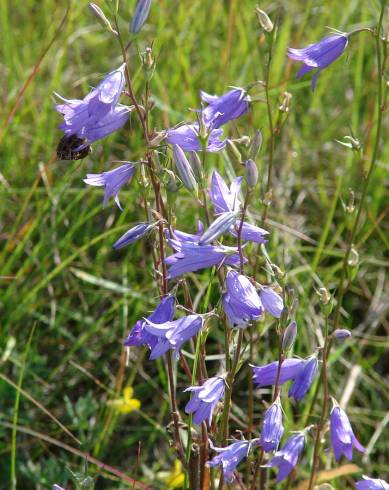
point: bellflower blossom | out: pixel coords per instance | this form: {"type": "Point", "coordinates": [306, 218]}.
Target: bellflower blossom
{"type": "Point", "coordinates": [163, 313]}
{"type": "Point", "coordinates": [371, 484]}
{"type": "Point", "coordinates": [342, 436]}
{"type": "Point", "coordinates": [113, 181]}
{"type": "Point", "coordinates": [229, 457]}
{"type": "Point", "coordinates": [205, 398]}
{"type": "Point", "coordinates": [319, 55]}
{"type": "Point", "coordinates": [266, 375]}
{"type": "Point", "coordinates": [226, 107]}
{"type": "Point", "coordinates": [272, 301]}
{"type": "Point", "coordinates": [272, 428]}
{"type": "Point", "coordinates": [186, 137]}
{"type": "Point", "coordinates": [223, 198]}
{"type": "Point", "coordinates": [173, 334]}
{"type": "Point", "coordinates": [190, 257]}
{"type": "Point", "coordinates": [241, 302]}
{"type": "Point", "coordinates": [221, 224]}
{"type": "Point", "coordinates": [98, 114]}
{"type": "Point", "coordinates": [286, 459]}
{"type": "Point", "coordinates": [304, 378]}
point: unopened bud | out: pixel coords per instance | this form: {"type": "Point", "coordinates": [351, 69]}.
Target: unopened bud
{"type": "Point", "coordinates": [353, 258]}
{"type": "Point", "coordinates": [184, 169]}
{"type": "Point", "coordinates": [218, 227]}
{"type": "Point", "coordinates": [251, 172]}
{"type": "Point", "coordinates": [285, 103]}
{"type": "Point", "coordinates": [171, 181]}
{"type": "Point", "coordinates": [350, 207]}
{"type": "Point", "coordinates": [284, 315]}
{"type": "Point", "coordinates": [278, 273]}
{"type": "Point", "coordinates": [157, 139]}
{"type": "Point", "coordinates": [264, 20]}
{"type": "Point", "coordinates": [289, 336]}
{"type": "Point", "coordinates": [267, 198]}
{"type": "Point", "coordinates": [256, 145]}
{"type": "Point", "coordinates": [243, 140]}
{"type": "Point", "coordinates": [141, 13]}
{"type": "Point", "coordinates": [325, 300]}
{"type": "Point", "coordinates": [196, 165]}
{"type": "Point", "coordinates": [233, 152]}
{"type": "Point", "coordinates": [351, 142]}
{"type": "Point", "coordinates": [342, 333]}
{"type": "Point", "coordinates": [100, 16]}
{"type": "Point", "coordinates": [87, 483]}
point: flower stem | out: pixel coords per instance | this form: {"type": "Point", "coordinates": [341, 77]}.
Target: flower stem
{"type": "Point", "coordinates": [342, 287]}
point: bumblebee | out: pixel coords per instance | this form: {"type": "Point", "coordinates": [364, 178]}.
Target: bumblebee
{"type": "Point", "coordinates": [68, 145]}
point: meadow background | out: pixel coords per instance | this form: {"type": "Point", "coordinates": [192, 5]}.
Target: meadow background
{"type": "Point", "coordinates": [68, 300]}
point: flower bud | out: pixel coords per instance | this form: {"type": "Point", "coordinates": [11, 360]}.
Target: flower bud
{"type": "Point", "coordinates": [100, 16]}
{"type": "Point", "coordinates": [184, 169]}
{"type": "Point", "coordinates": [342, 333]}
{"type": "Point", "coordinates": [267, 198]}
{"type": "Point", "coordinates": [133, 235]}
{"type": "Point", "coordinates": [141, 13]}
{"type": "Point", "coordinates": [256, 145]}
{"type": "Point", "coordinates": [157, 139]}
{"type": "Point", "coordinates": [350, 206]}
{"type": "Point", "coordinates": [195, 163]}
{"type": "Point", "coordinates": [233, 152]}
{"type": "Point", "coordinates": [219, 226]}
{"type": "Point", "coordinates": [286, 98]}
{"type": "Point", "coordinates": [251, 172]}
{"type": "Point", "coordinates": [325, 301]}
{"type": "Point", "coordinates": [148, 63]}
{"type": "Point", "coordinates": [353, 259]}
{"type": "Point", "coordinates": [289, 336]}
{"type": "Point", "coordinates": [264, 20]}
{"type": "Point", "coordinates": [171, 181]}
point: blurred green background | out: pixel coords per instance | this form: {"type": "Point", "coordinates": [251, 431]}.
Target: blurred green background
{"type": "Point", "coordinates": [64, 287]}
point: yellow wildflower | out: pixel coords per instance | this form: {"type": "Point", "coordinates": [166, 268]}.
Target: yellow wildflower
{"type": "Point", "coordinates": [174, 478]}
{"type": "Point", "coordinates": [126, 404]}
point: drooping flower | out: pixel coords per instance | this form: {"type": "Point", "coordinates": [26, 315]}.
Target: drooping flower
{"type": "Point", "coordinates": [125, 404]}
{"type": "Point", "coordinates": [141, 13]}
{"type": "Point", "coordinates": [304, 378]}
{"type": "Point", "coordinates": [173, 334]}
{"type": "Point", "coordinates": [229, 457]}
{"type": "Point", "coordinates": [272, 301]}
{"type": "Point", "coordinates": [342, 436]}
{"type": "Point", "coordinates": [190, 257]}
{"type": "Point", "coordinates": [371, 484]}
{"type": "Point", "coordinates": [113, 181]}
{"type": "Point", "coordinates": [319, 55]}
{"type": "Point", "coordinates": [249, 232]}
{"type": "Point", "coordinates": [272, 428]}
{"type": "Point", "coordinates": [205, 398]}
{"type": "Point", "coordinates": [241, 302]}
{"type": "Point", "coordinates": [223, 198]}
{"type": "Point", "coordinates": [221, 224]}
{"type": "Point", "coordinates": [98, 114]}
{"type": "Point", "coordinates": [266, 375]}
{"type": "Point", "coordinates": [342, 333]}
{"type": "Point", "coordinates": [133, 235]}
{"type": "Point", "coordinates": [286, 459]}
{"type": "Point", "coordinates": [186, 136]}
{"type": "Point", "coordinates": [226, 107]}
{"type": "Point", "coordinates": [164, 312]}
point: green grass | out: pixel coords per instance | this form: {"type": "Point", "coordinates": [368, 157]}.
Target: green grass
{"type": "Point", "coordinates": [59, 275]}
